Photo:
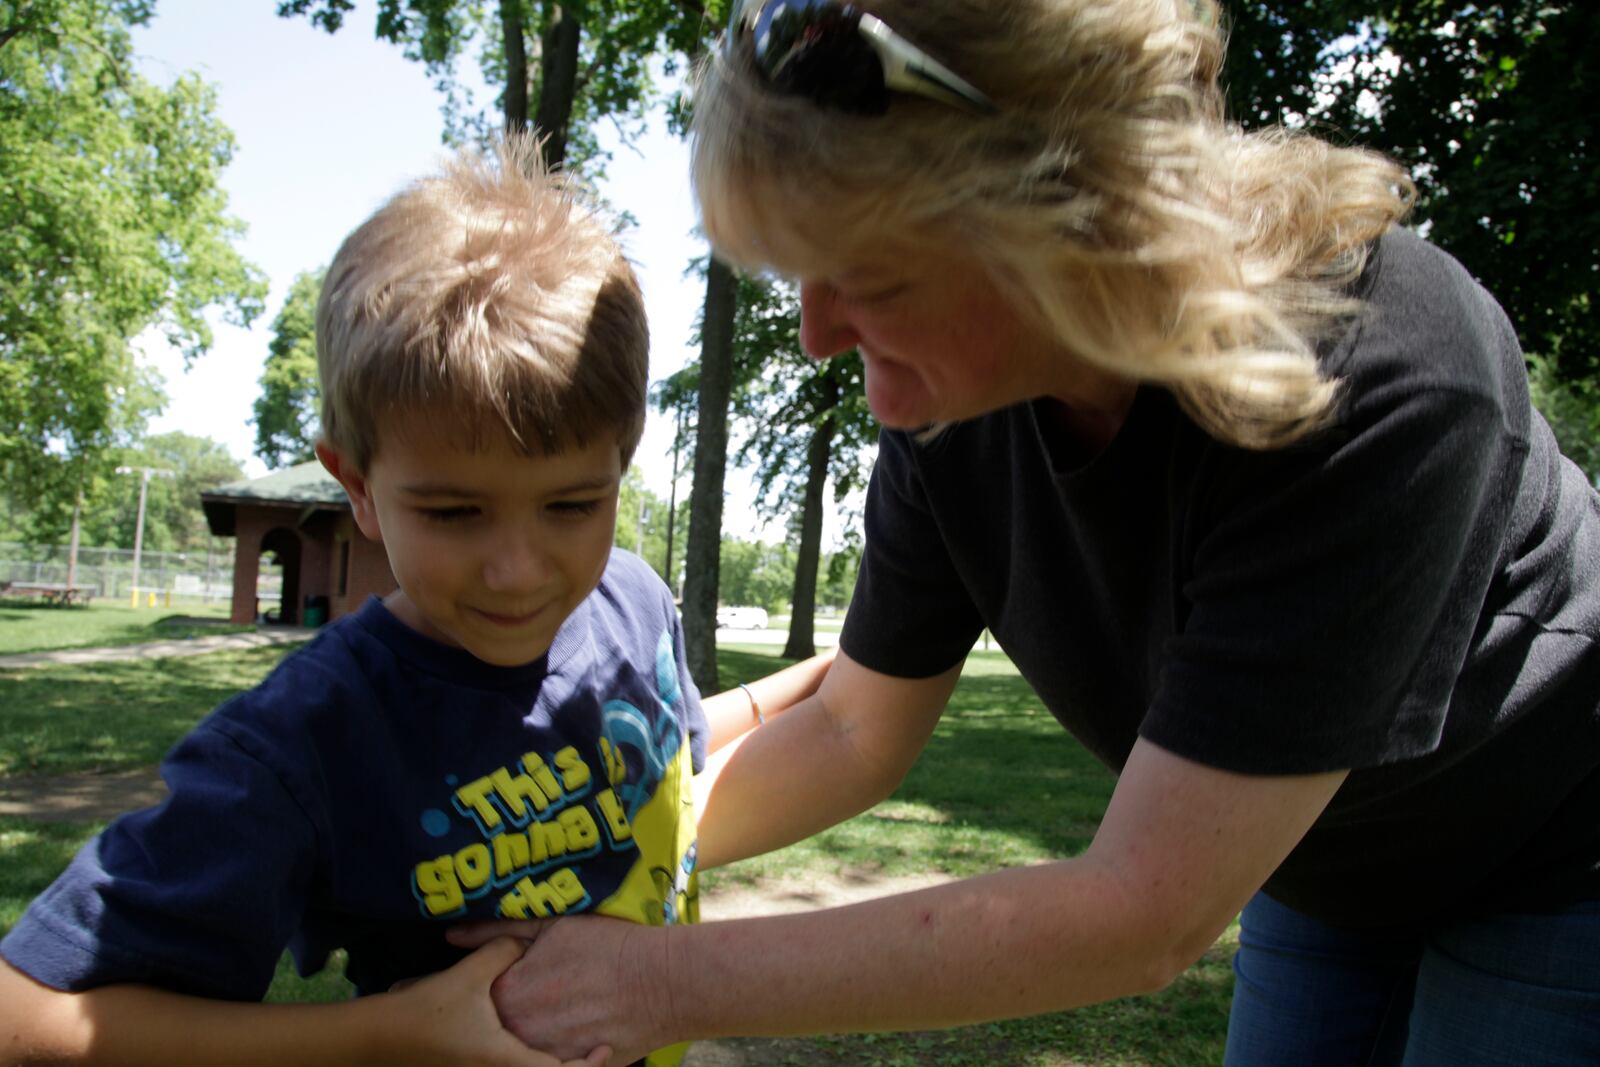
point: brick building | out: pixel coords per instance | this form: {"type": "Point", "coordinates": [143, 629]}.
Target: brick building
{"type": "Point", "coordinates": [301, 517]}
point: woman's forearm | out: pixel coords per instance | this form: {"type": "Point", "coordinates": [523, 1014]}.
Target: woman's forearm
{"type": "Point", "coordinates": [1015, 943]}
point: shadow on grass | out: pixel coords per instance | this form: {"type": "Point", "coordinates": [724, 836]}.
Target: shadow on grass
{"type": "Point", "coordinates": [33, 854]}
{"type": "Point", "coordinates": [117, 715]}
{"type": "Point", "coordinates": [999, 783]}
{"type": "Point", "coordinates": [35, 626]}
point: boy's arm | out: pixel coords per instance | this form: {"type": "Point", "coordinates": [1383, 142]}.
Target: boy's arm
{"type": "Point", "coordinates": [446, 1019]}
{"type": "Point", "coordinates": [833, 755]}
{"type": "Point", "coordinates": [732, 714]}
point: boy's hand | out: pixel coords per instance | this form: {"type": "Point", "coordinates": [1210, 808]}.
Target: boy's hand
{"type": "Point", "coordinates": [449, 1018]}
{"type": "Point", "coordinates": [583, 980]}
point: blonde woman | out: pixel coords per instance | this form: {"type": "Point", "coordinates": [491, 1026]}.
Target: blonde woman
{"type": "Point", "coordinates": [1245, 479]}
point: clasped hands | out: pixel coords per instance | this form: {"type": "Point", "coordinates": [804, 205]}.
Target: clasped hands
{"type": "Point", "coordinates": [552, 992]}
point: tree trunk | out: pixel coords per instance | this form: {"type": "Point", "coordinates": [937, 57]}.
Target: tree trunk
{"type": "Point", "coordinates": [558, 81]}
{"type": "Point", "coordinates": [702, 555]}
{"type": "Point", "coordinates": [802, 642]}
{"type": "Point", "coordinates": [516, 46]}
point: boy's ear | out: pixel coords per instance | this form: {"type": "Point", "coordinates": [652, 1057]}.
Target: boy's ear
{"type": "Point", "coordinates": [355, 487]}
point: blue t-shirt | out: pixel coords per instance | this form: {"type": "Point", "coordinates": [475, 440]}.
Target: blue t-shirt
{"type": "Point", "coordinates": [378, 787]}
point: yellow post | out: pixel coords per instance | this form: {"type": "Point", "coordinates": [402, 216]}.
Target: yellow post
{"type": "Point", "coordinates": [133, 598]}
{"type": "Point", "coordinates": [168, 601]}
{"type": "Point", "coordinates": [150, 599]}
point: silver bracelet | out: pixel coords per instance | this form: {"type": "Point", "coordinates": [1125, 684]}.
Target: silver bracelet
{"type": "Point", "coordinates": [761, 720]}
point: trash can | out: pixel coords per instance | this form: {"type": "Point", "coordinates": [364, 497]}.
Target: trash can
{"type": "Point", "coordinates": [315, 612]}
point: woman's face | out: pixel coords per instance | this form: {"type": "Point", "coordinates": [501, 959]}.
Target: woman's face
{"type": "Point", "coordinates": [939, 341]}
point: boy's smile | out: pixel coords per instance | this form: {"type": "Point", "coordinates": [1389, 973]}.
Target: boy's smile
{"type": "Point", "coordinates": [493, 549]}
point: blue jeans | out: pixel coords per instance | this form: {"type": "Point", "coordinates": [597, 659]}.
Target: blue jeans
{"type": "Point", "coordinates": [1513, 990]}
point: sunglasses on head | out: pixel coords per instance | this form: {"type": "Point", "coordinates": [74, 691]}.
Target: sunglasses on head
{"type": "Point", "coordinates": [838, 56]}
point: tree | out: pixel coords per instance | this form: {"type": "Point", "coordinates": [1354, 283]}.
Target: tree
{"type": "Point", "coordinates": [174, 521]}
{"type": "Point", "coordinates": [564, 85]}
{"type": "Point", "coordinates": [838, 580]}
{"type": "Point", "coordinates": [755, 573]}
{"type": "Point", "coordinates": [808, 424]}
{"type": "Point", "coordinates": [1480, 101]}
{"type": "Point", "coordinates": [288, 409]}
{"type": "Point", "coordinates": [1572, 408]}
{"type": "Point", "coordinates": [703, 553]}
{"type": "Point", "coordinates": [112, 221]}
{"type": "Point", "coordinates": [642, 523]}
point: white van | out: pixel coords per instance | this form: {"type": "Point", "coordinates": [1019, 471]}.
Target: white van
{"type": "Point", "coordinates": [742, 618]}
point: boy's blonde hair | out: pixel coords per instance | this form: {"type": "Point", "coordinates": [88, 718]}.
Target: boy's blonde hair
{"type": "Point", "coordinates": [488, 297]}
{"type": "Point", "coordinates": [1107, 195]}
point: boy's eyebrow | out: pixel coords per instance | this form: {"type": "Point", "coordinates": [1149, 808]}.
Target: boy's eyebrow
{"type": "Point", "coordinates": [448, 489]}
{"type": "Point", "coordinates": [436, 489]}
{"type": "Point", "coordinates": [587, 485]}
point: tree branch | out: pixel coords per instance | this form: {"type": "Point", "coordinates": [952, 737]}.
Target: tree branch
{"type": "Point", "coordinates": [693, 7]}
{"type": "Point", "coordinates": [16, 28]}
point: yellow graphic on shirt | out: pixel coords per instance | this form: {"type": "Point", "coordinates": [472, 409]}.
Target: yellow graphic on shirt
{"type": "Point", "coordinates": [543, 816]}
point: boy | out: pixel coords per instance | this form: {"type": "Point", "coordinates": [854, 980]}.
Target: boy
{"type": "Point", "coordinates": [508, 734]}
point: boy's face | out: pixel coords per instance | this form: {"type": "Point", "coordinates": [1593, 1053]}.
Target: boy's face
{"type": "Point", "coordinates": [492, 549]}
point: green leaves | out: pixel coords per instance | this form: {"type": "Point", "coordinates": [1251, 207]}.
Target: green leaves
{"type": "Point", "coordinates": [112, 222]}
{"type": "Point", "coordinates": [287, 411]}
{"type": "Point", "coordinates": [1484, 101]}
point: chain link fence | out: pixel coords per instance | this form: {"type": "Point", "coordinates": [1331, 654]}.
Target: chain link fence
{"type": "Point", "coordinates": [108, 572]}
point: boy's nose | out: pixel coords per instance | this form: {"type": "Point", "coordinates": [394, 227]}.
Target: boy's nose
{"type": "Point", "coordinates": [824, 330]}
{"type": "Point", "coordinates": [517, 564]}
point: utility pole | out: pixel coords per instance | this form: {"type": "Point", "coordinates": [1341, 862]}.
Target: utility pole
{"type": "Point", "coordinates": [672, 501]}
{"type": "Point", "coordinates": [145, 474]}
{"type": "Point", "coordinates": [72, 545]}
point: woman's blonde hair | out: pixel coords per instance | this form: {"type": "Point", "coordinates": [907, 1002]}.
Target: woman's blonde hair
{"type": "Point", "coordinates": [486, 296]}
{"type": "Point", "coordinates": [1108, 195]}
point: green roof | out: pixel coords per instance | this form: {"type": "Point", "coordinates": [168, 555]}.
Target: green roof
{"type": "Point", "coordinates": [305, 485]}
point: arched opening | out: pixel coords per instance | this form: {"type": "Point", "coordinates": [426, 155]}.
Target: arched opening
{"type": "Point", "coordinates": [278, 578]}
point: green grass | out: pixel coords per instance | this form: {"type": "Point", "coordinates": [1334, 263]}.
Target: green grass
{"type": "Point", "coordinates": [31, 855]}
{"type": "Point", "coordinates": [117, 715]}
{"type": "Point", "coordinates": [1000, 783]}
{"type": "Point", "coordinates": [33, 626]}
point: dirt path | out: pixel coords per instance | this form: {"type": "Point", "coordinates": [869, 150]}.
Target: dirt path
{"type": "Point", "coordinates": [183, 646]}
{"type": "Point", "coordinates": [79, 797]}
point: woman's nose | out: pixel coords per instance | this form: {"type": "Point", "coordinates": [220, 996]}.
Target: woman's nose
{"type": "Point", "coordinates": [824, 329]}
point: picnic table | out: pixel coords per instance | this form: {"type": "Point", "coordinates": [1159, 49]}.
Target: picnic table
{"type": "Point", "coordinates": [58, 593]}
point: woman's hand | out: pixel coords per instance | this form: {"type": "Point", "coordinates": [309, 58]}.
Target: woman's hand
{"type": "Point", "coordinates": [583, 981]}
{"type": "Point", "coordinates": [449, 1018]}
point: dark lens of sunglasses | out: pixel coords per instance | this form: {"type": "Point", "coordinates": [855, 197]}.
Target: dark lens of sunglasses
{"type": "Point", "coordinates": [814, 48]}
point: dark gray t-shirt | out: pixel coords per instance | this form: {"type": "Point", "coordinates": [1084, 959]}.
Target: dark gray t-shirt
{"type": "Point", "coordinates": [1413, 593]}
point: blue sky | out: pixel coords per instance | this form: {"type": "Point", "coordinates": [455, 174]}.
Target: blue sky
{"type": "Point", "coordinates": [327, 127]}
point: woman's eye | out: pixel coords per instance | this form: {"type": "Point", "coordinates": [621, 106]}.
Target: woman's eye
{"type": "Point", "coordinates": [876, 294]}
{"type": "Point", "coordinates": [456, 514]}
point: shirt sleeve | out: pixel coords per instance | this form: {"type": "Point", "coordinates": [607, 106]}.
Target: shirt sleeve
{"type": "Point", "coordinates": [198, 895]}
{"type": "Point", "coordinates": [1335, 589]}
{"type": "Point", "coordinates": [911, 615]}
